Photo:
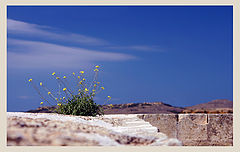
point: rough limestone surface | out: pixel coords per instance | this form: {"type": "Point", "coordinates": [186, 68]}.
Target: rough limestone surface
{"type": "Point", "coordinates": [192, 128]}
{"type": "Point", "coordinates": [38, 129]}
{"type": "Point", "coordinates": [160, 121]}
{"type": "Point", "coordinates": [220, 131]}
{"type": "Point", "coordinates": [195, 129]}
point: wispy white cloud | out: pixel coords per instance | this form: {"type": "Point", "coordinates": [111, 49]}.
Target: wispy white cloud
{"type": "Point", "coordinates": [20, 28]}
{"type": "Point", "coordinates": [35, 54]}
{"type": "Point", "coordinates": [24, 97]}
{"type": "Point", "coordinates": [34, 30]}
{"type": "Point", "coordinates": [137, 47]}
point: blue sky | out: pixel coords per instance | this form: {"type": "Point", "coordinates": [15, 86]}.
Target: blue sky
{"type": "Point", "coordinates": [178, 55]}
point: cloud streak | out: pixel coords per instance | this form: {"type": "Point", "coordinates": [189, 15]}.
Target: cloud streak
{"type": "Point", "coordinates": [24, 97]}
{"type": "Point", "coordinates": [137, 48]}
{"type": "Point", "coordinates": [51, 54]}
{"type": "Point", "coordinates": [33, 30]}
{"type": "Point", "coordinates": [35, 54]}
{"type": "Point", "coordinates": [20, 28]}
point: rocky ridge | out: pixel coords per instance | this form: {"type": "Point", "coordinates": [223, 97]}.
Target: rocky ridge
{"type": "Point", "coordinates": [52, 129]}
{"type": "Point", "coordinates": [215, 106]}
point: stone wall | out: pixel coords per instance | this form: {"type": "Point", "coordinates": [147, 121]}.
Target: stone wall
{"type": "Point", "coordinates": [195, 129]}
{"type": "Point", "coordinates": [50, 129]}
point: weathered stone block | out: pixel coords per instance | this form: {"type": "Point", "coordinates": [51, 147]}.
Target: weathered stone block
{"type": "Point", "coordinates": [192, 129]}
{"type": "Point", "coordinates": [195, 129]}
{"type": "Point", "coordinates": [166, 123]}
{"type": "Point", "coordinates": [220, 129]}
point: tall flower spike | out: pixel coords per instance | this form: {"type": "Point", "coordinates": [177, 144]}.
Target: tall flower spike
{"type": "Point", "coordinates": [41, 103]}
{"type": "Point", "coordinates": [40, 83]}
{"type": "Point", "coordinates": [30, 80]}
{"type": "Point", "coordinates": [53, 73]}
{"type": "Point", "coordinates": [102, 88]}
{"type": "Point", "coordinates": [64, 89]}
{"type": "Point", "coordinates": [81, 72]}
{"type": "Point", "coordinates": [96, 66]}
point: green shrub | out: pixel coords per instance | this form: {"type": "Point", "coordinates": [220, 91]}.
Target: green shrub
{"type": "Point", "coordinates": [80, 106]}
{"type": "Point", "coordinates": [77, 100]}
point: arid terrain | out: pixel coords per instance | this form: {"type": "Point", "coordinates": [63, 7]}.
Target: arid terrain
{"type": "Point", "coordinates": [215, 106]}
{"type": "Point", "coordinates": [133, 124]}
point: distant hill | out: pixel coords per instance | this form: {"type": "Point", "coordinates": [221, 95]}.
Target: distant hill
{"type": "Point", "coordinates": [220, 103]}
{"type": "Point", "coordinates": [215, 106]}
{"type": "Point", "coordinates": [142, 108]}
